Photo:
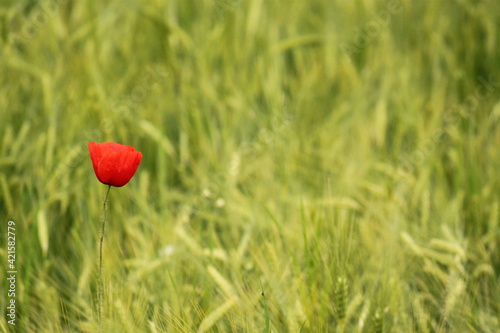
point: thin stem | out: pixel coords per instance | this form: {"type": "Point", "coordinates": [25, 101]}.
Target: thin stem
{"type": "Point", "coordinates": [100, 287]}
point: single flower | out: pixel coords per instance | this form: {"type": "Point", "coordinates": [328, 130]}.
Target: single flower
{"type": "Point", "coordinates": [114, 164]}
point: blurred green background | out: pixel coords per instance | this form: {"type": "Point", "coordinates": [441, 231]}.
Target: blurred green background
{"type": "Point", "coordinates": [309, 166]}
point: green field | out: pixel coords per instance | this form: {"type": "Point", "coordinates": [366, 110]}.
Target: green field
{"type": "Point", "coordinates": [308, 166]}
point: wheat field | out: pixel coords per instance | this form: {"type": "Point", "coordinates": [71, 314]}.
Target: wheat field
{"type": "Point", "coordinates": [308, 166]}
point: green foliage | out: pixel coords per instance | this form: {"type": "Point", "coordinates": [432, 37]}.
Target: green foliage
{"type": "Point", "coordinates": [309, 166]}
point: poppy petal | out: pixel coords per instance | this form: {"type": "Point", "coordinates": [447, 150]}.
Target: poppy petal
{"type": "Point", "coordinates": [117, 169]}
{"type": "Point", "coordinates": [114, 164]}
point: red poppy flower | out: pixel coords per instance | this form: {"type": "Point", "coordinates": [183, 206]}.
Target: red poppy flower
{"type": "Point", "coordinates": [114, 164]}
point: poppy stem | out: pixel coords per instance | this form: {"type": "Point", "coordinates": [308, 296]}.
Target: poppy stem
{"type": "Point", "coordinates": [100, 287]}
